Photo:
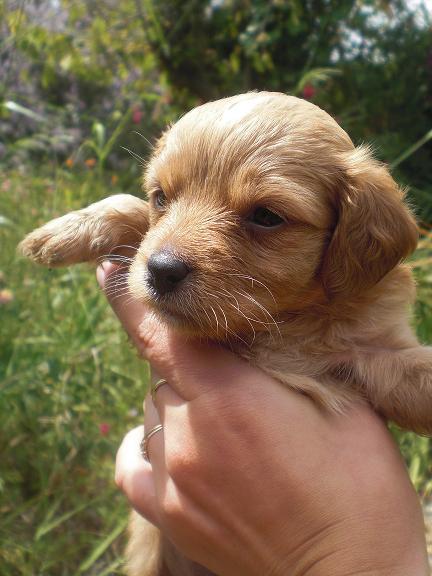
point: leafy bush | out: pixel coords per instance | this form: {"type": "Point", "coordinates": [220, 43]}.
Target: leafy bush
{"type": "Point", "coordinates": [70, 386]}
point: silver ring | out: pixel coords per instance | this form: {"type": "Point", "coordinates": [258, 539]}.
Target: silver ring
{"type": "Point", "coordinates": [154, 388]}
{"type": "Point", "coordinates": [145, 441]}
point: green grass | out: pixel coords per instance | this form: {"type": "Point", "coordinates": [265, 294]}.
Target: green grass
{"type": "Point", "coordinates": [65, 369]}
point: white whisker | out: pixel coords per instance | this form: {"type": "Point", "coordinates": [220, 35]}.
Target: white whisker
{"type": "Point", "coordinates": [130, 227]}
{"type": "Point", "coordinates": [247, 319]}
{"type": "Point", "coordinates": [137, 157]}
{"type": "Point", "coordinates": [261, 307]}
{"type": "Point", "coordinates": [225, 318]}
{"type": "Point", "coordinates": [217, 321]}
{"type": "Point", "coordinates": [143, 137]}
{"type": "Point", "coordinates": [124, 246]}
{"type": "Point", "coordinates": [252, 279]}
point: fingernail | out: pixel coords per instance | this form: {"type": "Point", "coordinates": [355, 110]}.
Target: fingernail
{"type": "Point", "coordinates": [100, 275]}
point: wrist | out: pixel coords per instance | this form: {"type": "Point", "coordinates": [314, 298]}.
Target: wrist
{"type": "Point", "coordinates": [368, 548]}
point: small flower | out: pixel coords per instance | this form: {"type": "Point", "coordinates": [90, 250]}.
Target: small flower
{"type": "Point", "coordinates": [6, 296]}
{"type": "Point", "coordinates": [28, 282]}
{"type": "Point", "coordinates": [104, 428]}
{"type": "Point", "coordinates": [262, 38]}
{"type": "Point", "coordinates": [308, 92]}
{"type": "Point", "coordinates": [137, 116]}
{"type": "Point", "coordinates": [6, 186]}
{"type": "Point", "coordinates": [69, 162]}
{"type": "Point", "coordinates": [114, 179]}
{"type": "Point", "coordinates": [90, 162]}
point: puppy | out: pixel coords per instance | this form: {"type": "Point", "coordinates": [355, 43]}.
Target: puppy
{"type": "Point", "coordinates": [267, 230]}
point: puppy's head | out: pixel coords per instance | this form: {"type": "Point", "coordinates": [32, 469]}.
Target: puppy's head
{"type": "Point", "coordinates": [260, 206]}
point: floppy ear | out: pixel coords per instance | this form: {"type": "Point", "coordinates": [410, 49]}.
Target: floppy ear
{"type": "Point", "coordinates": [375, 228]}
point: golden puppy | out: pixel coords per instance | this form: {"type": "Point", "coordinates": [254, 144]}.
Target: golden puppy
{"type": "Point", "coordinates": [266, 229]}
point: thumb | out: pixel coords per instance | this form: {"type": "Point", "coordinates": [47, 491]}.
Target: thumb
{"type": "Point", "coordinates": [191, 367]}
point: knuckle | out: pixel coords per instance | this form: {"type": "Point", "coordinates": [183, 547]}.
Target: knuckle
{"type": "Point", "coordinates": [130, 484]}
{"type": "Point", "coordinates": [148, 337]}
{"type": "Point", "coordinates": [182, 466]}
{"type": "Point", "coordinates": [178, 470]}
{"type": "Point", "coordinates": [147, 331]}
{"type": "Point", "coordinates": [173, 511]}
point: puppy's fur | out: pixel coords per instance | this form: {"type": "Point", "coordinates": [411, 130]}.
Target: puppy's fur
{"type": "Point", "coordinates": [320, 302]}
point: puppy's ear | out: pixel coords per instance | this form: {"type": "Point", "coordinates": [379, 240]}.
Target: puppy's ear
{"type": "Point", "coordinates": [375, 228]}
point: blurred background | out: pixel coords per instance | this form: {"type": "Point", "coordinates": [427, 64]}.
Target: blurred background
{"type": "Point", "coordinates": [85, 88]}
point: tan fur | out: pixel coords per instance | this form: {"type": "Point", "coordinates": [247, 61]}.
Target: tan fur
{"type": "Point", "coordinates": [114, 225]}
{"type": "Point", "coordinates": [322, 302]}
{"type": "Point", "coordinates": [143, 551]}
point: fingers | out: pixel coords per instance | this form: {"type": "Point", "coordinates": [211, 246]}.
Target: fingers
{"type": "Point", "coordinates": [134, 476]}
{"type": "Point", "coordinates": [112, 278]}
{"type": "Point", "coordinates": [144, 481]}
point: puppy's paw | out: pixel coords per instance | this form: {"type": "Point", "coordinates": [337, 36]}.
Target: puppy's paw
{"type": "Point", "coordinates": [399, 386]}
{"type": "Point", "coordinates": [114, 225]}
{"type": "Point", "coordinates": [410, 403]}
{"type": "Point", "coordinates": [58, 243]}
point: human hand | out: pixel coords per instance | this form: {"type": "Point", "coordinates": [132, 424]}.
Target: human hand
{"type": "Point", "coordinates": [249, 478]}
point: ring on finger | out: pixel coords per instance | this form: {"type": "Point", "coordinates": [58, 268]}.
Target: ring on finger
{"type": "Point", "coordinates": [155, 386]}
{"type": "Point", "coordinates": [145, 441]}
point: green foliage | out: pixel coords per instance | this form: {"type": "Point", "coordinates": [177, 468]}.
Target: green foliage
{"type": "Point", "coordinates": [101, 144]}
{"type": "Point", "coordinates": [369, 63]}
{"type": "Point", "coordinates": [70, 387]}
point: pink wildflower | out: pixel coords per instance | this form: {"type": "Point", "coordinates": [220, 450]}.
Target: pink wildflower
{"type": "Point", "coordinates": [104, 428]}
{"type": "Point", "coordinates": [137, 116]}
{"type": "Point", "coordinates": [309, 92]}
{"type": "Point", "coordinates": [6, 296]}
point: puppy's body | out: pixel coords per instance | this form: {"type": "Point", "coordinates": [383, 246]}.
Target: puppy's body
{"type": "Point", "coordinates": [267, 230]}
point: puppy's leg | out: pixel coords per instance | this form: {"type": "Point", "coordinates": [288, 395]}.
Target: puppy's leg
{"type": "Point", "coordinates": [143, 552]}
{"type": "Point", "coordinates": [87, 235]}
{"type": "Point", "coordinates": [150, 554]}
{"type": "Point", "coordinates": [399, 385]}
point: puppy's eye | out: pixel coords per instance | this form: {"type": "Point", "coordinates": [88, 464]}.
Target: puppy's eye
{"type": "Point", "coordinates": [265, 218]}
{"type": "Point", "coordinates": [159, 200]}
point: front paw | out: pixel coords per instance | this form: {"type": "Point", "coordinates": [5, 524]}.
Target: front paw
{"type": "Point", "coordinates": [61, 242]}
{"type": "Point", "coordinates": [116, 225]}
{"type": "Point", "coordinates": [52, 244]}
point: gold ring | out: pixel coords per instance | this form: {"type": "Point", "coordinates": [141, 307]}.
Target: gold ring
{"type": "Point", "coordinates": [158, 384]}
{"type": "Point", "coordinates": [145, 441]}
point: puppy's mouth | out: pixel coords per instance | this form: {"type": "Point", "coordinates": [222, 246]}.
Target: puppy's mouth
{"type": "Point", "coordinates": [169, 289]}
{"type": "Point", "coordinates": [168, 306]}
{"type": "Point", "coordinates": [199, 303]}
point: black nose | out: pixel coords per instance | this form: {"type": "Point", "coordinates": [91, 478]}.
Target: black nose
{"type": "Point", "coordinates": [166, 271]}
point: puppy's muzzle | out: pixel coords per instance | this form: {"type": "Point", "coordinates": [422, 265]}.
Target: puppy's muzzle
{"type": "Point", "coordinates": [166, 271]}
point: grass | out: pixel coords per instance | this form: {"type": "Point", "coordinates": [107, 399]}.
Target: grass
{"type": "Point", "coordinates": [70, 388]}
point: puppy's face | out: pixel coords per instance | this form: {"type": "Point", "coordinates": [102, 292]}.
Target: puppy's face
{"type": "Point", "coordinates": [243, 196]}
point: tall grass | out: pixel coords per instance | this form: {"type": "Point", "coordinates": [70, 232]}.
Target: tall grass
{"type": "Point", "coordinates": [71, 386]}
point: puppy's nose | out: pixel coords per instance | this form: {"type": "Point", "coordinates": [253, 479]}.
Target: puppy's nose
{"type": "Point", "coordinates": [166, 271]}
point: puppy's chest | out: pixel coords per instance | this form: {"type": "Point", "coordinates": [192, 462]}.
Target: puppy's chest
{"type": "Point", "coordinates": [293, 356]}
